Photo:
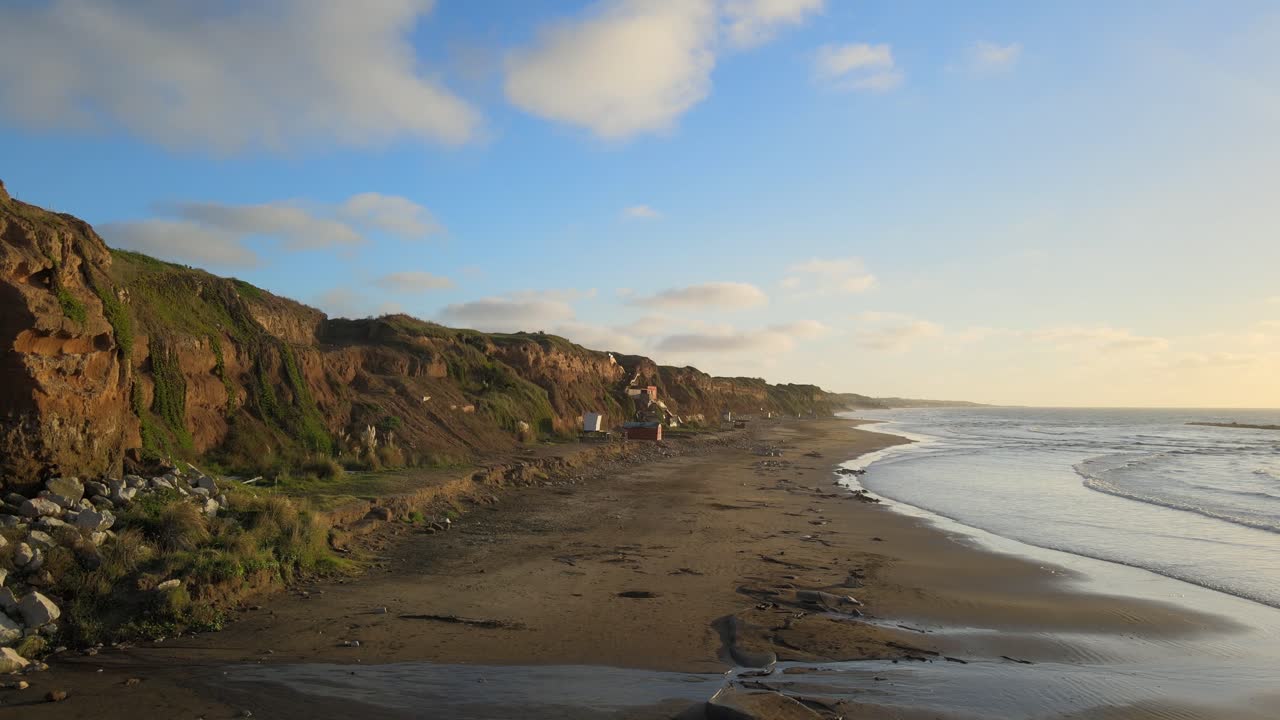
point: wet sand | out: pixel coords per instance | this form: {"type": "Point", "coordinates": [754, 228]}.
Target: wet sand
{"type": "Point", "coordinates": [691, 564]}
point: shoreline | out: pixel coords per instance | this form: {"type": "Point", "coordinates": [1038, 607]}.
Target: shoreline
{"type": "Point", "coordinates": [641, 570]}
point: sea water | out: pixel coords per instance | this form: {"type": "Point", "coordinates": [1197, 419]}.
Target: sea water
{"type": "Point", "coordinates": [1136, 487]}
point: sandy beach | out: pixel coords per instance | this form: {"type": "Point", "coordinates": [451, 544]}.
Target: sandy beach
{"type": "Point", "coordinates": [688, 565]}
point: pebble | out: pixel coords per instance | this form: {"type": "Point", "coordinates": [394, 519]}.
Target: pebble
{"type": "Point", "coordinates": [56, 695]}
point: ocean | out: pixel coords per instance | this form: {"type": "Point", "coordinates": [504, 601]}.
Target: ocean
{"type": "Point", "coordinates": [1136, 487]}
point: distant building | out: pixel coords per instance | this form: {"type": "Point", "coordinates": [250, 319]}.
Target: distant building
{"type": "Point", "coordinates": [642, 431]}
{"type": "Point", "coordinates": [592, 422]}
{"type": "Point", "coordinates": [651, 391]}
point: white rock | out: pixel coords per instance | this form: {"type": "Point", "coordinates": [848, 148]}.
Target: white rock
{"type": "Point", "coordinates": [41, 539]}
{"type": "Point", "coordinates": [207, 483]}
{"type": "Point", "coordinates": [211, 507]}
{"type": "Point", "coordinates": [49, 523]}
{"type": "Point", "coordinates": [161, 484]}
{"type": "Point", "coordinates": [37, 610]}
{"type": "Point", "coordinates": [134, 481]}
{"type": "Point", "coordinates": [11, 661]}
{"type": "Point", "coordinates": [37, 561]}
{"type": "Point", "coordinates": [39, 507]}
{"type": "Point", "coordinates": [97, 538]}
{"type": "Point", "coordinates": [10, 630]}
{"type": "Point", "coordinates": [23, 555]}
{"type": "Point", "coordinates": [169, 585]}
{"type": "Point", "coordinates": [4, 543]}
{"type": "Point", "coordinates": [202, 492]}
{"type": "Point", "coordinates": [4, 575]}
{"type": "Point", "coordinates": [68, 488]}
{"type": "Point", "coordinates": [8, 601]}
{"type": "Point", "coordinates": [95, 521]}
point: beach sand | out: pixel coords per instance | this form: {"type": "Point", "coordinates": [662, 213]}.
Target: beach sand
{"type": "Point", "coordinates": [690, 564]}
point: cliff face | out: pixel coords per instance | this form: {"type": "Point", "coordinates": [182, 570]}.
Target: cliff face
{"type": "Point", "coordinates": [115, 359]}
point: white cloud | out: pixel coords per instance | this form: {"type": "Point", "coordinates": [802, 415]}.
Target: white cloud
{"type": "Point", "coordinates": [628, 67]}
{"type": "Point", "coordinates": [772, 339]}
{"type": "Point", "coordinates": [857, 66]}
{"type": "Point", "coordinates": [180, 241]}
{"type": "Point", "coordinates": [507, 314]}
{"type": "Point", "coordinates": [892, 331]}
{"type": "Point", "coordinates": [640, 212]}
{"type": "Point", "coordinates": [341, 302]}
{"type": "Point", "coordinates": [731, 295]}
{"type": "Point", "coordinates": [599, 337]}
{"type": "Point", "coordinates": [1099, 338]}
{"type": "Point", "coordinates": [990, 57]}
{"type": "Point", "coordinates": [216, 233]}
{"type": "Point", "coordinates": [298, 227]}
{"type": "Point", "coordinates": [415, 281]}
{"type": "Point", "coordinates": [390, 213]}
{"type": "Point", "coordinates": [749, 23]}
{"type": "Point", "coordinates": [228, 76]}
{"type": "Point", "coordinates": [835, 275]}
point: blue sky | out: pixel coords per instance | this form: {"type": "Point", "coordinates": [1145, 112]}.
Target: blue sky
{"type": "Point", "coordinates": [1033, 203]}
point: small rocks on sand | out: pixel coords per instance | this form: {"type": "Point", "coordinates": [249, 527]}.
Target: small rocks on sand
{"type": "Point", "coordinates": [11, 661]}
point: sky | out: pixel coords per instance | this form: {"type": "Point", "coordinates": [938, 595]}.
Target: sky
{"type": "Point", "coordinates": [1068, 204]}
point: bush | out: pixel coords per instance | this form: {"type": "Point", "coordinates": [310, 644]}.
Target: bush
{"type": "Point", "coordinates": [323, 468]}
{"type": "Point", "coordinates": [181, 527]}
{"type": "Point", "coordinates": [391, 456]}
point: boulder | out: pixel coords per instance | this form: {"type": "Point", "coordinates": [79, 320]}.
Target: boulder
{"type": "Point", "coordinates": [210, 507]}
{"type": "Point", "coordinates": [93, 489]}
{"type": "Point", "coordinates": [14, 499]}
{"type": "Point", "coordinates": [11, 661]}
{"type": "Point", "coordinates": [97, 538]}
{"type": "Point", "coordinates": [37, 610]}
{"type": "Point", "coordinates": [122, 491]}
{"type": "Point", "coordinates": [50, 523]}
{"type": "Point", "coordinates": [4, 575]}
{"type": "Point", "coordinates": [4, 543]}
{"type": "Point", "coordinates": [169, 585]}
{"type": "Point", "coordinates": [102, 502]}
{"type": "Point", "coordinates": [207, 483]}
{"type": "Point", "coordinates": [134, 482]}
{"type": "Point", "coordinates": [36, 563]}
{"type": "Point", "coordinates": [10, 630]}
{"type": "Point", "coordinates": [8, 601]}
{"type": "Point", "coordinates": [95, 521]}
{"type": "Point", "coordinates": [161, 484]}
{"type": "Point", "coordinates": [69, 488]}
{"type": "Point", "coordinates": [202, 492]}
{"type": "Point", "coordinates": [23, 555]}
{"type": "Point", "coordinates": [10, 521]}
{"type": "Point", "coordinates": [39, 507]}
{"type": "Point", "coordinates": [41, 539]}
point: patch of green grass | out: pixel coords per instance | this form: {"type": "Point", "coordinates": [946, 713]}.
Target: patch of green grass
{"type": "Point", "coordinates": [220, 369]}
{"type": "Point", "coordinates": [72, 308]}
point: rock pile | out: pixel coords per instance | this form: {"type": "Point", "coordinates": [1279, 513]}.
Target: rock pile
{"type": "Point", "coordinates": [65, 512]}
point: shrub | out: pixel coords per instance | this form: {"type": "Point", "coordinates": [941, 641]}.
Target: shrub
{"type": "Point", "coordinates": [323, 468]}
{"type": "Point", "coordinates": [391, 456]}
{"type": "Point", "coordinates": [72, 308]}
{"type": "Point", "coordinates": [181, 526]}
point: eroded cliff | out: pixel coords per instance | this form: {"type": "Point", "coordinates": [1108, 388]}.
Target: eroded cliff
{"type": "Point", "coordinates": [115, 359]}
